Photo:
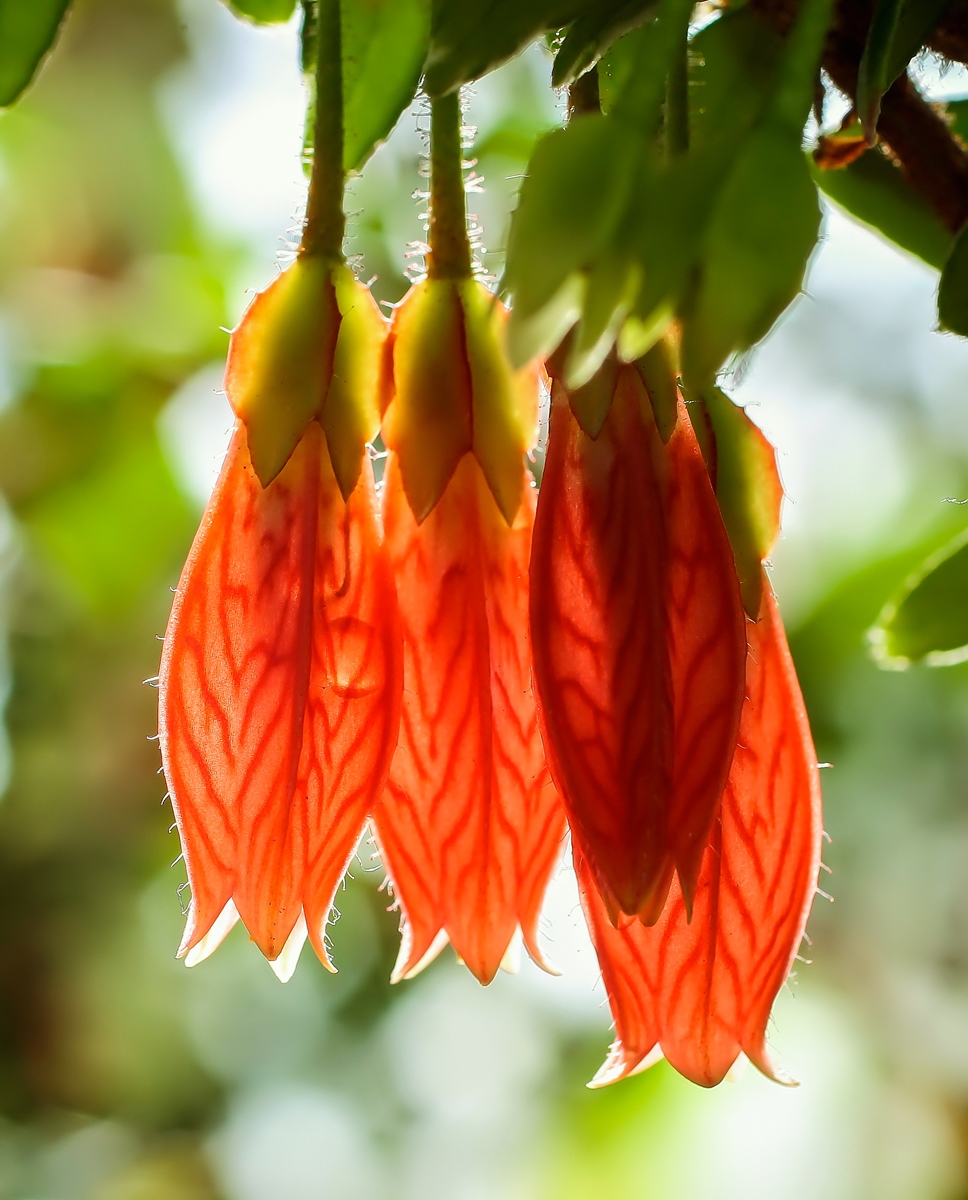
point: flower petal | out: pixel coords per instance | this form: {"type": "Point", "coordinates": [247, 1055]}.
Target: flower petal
{"type": "Point", "coordinates": [703, 990]}
{"type": "Point", "coordinates": [639, 644]}
{"type": "Point", "coordinates": [470, 825]}
{"type": "Point", "coordinates": [279, 692]}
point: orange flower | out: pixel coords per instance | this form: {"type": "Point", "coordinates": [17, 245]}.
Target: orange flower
{"type": "Point", "coordinates": [700, 991]}
{"type": "Point", "coordinates": [281, 673]}
{"type": "Point", "coordinates": [470, 826]}
{"type": "Point", "coordinates": [639, 640]}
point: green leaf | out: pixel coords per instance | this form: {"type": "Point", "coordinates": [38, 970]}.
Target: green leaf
{"type": "Point", "coordinates": [801, 65]}
{"type": "Point", "coordinates": [469, 39]}
{"type": "Point", "coordinates": [263, 12]}
{"type": "Point", "coordinates": [874, 191]}
{"type": "Point", "coordinates": [573, 197]}
{"type": "Point", "coordinates": [732, 75]}
{"type": "Point", "coordinates": [748, 490]}
{"type": "Point", "coordinates": [593, 32]}
{"type": "Point", "coordinates": [754, 252]}
{"type": "Point", "coordinates": [384, 46]}
{"type": "Point", "coordinates": [928, 621]}
{"type": "Point", "coordinates": [27, 32]}
{"type": "Point", "coordinates": [873, 74]}
{"type": "Point", "coordinates": [917, 20]}
{"type": "Point", "coordinates": [953, 288]}
{"type": "Point", "coordinates": [958, 112]}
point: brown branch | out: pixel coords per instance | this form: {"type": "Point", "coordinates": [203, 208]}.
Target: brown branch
{"type": "Point", "coordinates": [951, 37]}
{"type": "Point", "coordinates": [911, 129]}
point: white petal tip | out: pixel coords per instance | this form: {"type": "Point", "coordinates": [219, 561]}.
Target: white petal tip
{"type": "Point", "coordinates": [616, 1067]}
{"type": "Point", "coordinates": [400, 971]}
{"type": "Point", "coordinates": [511, 961]}
{"type": "Point", "coordinates": [220, 928]}
{"type": "Point", "coordinates": [284, 966]}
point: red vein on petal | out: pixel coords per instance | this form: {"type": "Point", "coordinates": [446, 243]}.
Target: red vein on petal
{"type": "Point", "coordinates": [279, 692]}
{"type": "Point", "coordinates": [469, 828]}
{"type": "Point", "coordinates": [703, 990]}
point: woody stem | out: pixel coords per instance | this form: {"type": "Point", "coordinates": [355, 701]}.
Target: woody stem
{"type": "Point", "coordinates": [325, 223]}
{"type": "Point", "coordinates": [450, 250]}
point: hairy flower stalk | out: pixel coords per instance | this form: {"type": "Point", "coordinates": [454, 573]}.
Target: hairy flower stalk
{"type": "Point", "coordinates": [470, 826]}
{"type": "Point", "coordinates": [639, 639]}
{"type": "Point", "coordinates": [281, 671]}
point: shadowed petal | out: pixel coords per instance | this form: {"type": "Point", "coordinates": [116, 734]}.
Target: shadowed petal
{"type": "Point", "coordinates": [639, 645]}
{"type": "Point", "coordinates": [702, 990]}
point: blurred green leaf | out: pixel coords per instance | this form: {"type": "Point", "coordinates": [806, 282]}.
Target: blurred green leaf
{"type": "Point", "coordinates": [593, 32]}
{"type": "Point", "coordinates": [800, 65]}
{"type": "Point", "coordinates": [574, 194]}
{"type": "Point", "coordinates": [957, 111]}
{"type": "Point", "coordinates": [27, 32]}
{"type": "Point", "coordinates": [873, 75]}
{"type": "Point", "coordinates": [754, 253]}
{"type": "Point", "coordinates": [929, 619]}
{"type": "Point", "coordinates": [468, 40]}
{"type": "Point", "coordinates": [113, 531]}
{"type": "Point", "coordinates": [384, 46]}
{"type": "Point", "coordinates": [263, 12]}
{"type": "Point", "coordinates": [732, 74]}
{"type": "Point", "coordinates": [873, 190]}
{"type": "Point", "coordinates": [953, 288]}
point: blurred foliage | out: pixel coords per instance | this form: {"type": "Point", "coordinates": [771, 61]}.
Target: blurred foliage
{"type": "Point", "coordinates": [125, 1077]}
{"type": "Point", "coordinates": [26, 34]}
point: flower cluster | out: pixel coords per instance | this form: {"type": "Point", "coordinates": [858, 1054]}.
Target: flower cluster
{"type": "Point", "coordinates": [474, 666]}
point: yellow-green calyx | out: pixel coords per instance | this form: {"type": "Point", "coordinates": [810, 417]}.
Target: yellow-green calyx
{"type": "Point", "coordinates": [307, 348]}
{"type": "Point", "coordinates": [453, 391]}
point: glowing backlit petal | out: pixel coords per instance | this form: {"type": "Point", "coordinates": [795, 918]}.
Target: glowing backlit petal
{"type": "Point", "coordinates": [280, 687]}
{"type": "Point", "coordinates": [470, 826]}
{"type": "Point", "coordinates": [639, 645]}
{"type": "Point", "coordinates": [701, 991]}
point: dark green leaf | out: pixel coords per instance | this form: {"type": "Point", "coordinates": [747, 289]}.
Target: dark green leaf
{"type": "Point", "coordinates": [958, 112]}
{"type": "Point", "coordinates": [872, 75]}
{"type": "Point", "coordinates": [929, 620]}
{"type": "Point", "coordinates": [469, 39]}
{"type": "Point", "coordinates": [953, 288]}
{"type": "Point", "coordinates": [754, 252]}
{"type": "Point", "coordinates": [263, 12]}
{"type": "Point", "coordinates": [27, 32]}
{"type": "Point", "coordinates": [874, 191]}
{"type": "Point", "coordinates": [384, 46]}
{"type": "Point", "coordinates": [593, 32]}
{"type": "Point", "coordinates": [916, 22]}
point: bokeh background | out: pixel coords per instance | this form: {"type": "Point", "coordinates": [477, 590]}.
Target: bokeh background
{"type": "Point", "coordinates": [150, 181]}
